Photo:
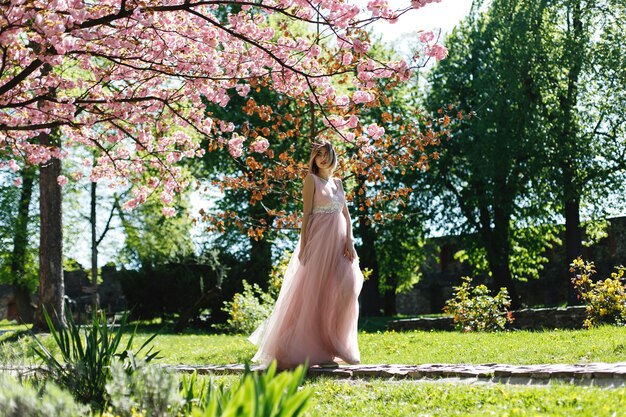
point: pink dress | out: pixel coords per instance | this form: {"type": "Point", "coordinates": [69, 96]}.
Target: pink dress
{"type": "Point", "coordinates": [315, 315]}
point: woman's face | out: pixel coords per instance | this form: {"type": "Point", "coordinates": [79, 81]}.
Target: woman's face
{"type": "Point", "coordinates": [322, 159]}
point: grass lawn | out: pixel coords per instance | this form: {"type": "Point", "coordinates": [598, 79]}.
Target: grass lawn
{"type": "Point", "coordinates": [380, 398]}
{"type": "Point", "coordinates": [340, 398]}
{"type": "Point", "coordinates": [604, 344]}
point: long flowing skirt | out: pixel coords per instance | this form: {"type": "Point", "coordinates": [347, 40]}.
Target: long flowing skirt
{"type": "Point", "coordinates": [316, 313]}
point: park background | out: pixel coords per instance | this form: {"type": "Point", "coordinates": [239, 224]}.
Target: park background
{"type": "Point", "coordinates": [503, 162]}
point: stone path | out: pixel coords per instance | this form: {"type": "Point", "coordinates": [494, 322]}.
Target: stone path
{"type": "Point", "coordinates": [611, 375]}
{"type": "Point", "coordinates": [591, 374]}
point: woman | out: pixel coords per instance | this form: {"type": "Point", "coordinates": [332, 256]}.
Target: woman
{"type": "Point", "coordinates": [316, 313]}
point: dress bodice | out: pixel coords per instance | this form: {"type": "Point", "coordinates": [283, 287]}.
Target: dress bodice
{"type": "Point", "coordinates": [329, 196]}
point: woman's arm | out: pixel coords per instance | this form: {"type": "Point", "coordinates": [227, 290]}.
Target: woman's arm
{"type": "Point", "coordinates": [349, 251]}
{"type": "Point", "coordinates": [308, 189]}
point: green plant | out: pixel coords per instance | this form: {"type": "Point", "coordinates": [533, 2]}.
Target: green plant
{"type": "Point", "coordinates": [84, 366]}
{"type": "Point", "coordinates": [153, 390]}
{"type": "Point", "coordinates": [248, 309]}
{"type": "Point", "coordinates": [15, 353]}
{"type": "Point", "coordinates": [605, 299]}
{"type": "Point", "coordinates": [473, 309]}
{"type": "Point", "coordinates": [25, 400]}
{"type": "Point", "coordinates": [264, 394]}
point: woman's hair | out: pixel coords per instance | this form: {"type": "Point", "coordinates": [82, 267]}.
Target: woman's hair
{"type": "Point", "coordinates": [317, 147]}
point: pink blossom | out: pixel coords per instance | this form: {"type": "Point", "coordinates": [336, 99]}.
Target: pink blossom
{"type": "Point", "coordinates": [342, 100]}
{"type": "Point", "coordinates": [169, 64]}
{"type": "Point", "coordinates": [353, 121]}
{"type": "Point", "coordinates": [375, 131]}
{"type": "Point", "coordinates": [260, 145]}
{"type": "Point", "coordinates": [416, 4]}
{"type": "Point", "coordinates": [168, 211]}
{"type": "Point", "coordinates": [242, 89]}
{"type": "Point", "coordinates": [361, 96]}
{"type": "Point", "coordinates": [226, 126]}
{"type": "Point", "coordinates": [347, 58]}
{"type": "Point", "coordinates": [17, 182]}
{"type": "Point", "coordinates": [62, 180]}
{"type": "Point", "coordinates": [361, 46]}
{"type": "Point", "coordinates": [166, 197]}
{"type": "Point", "coordinates": [235, 146]}
{"type": "Point", "coordinates": [437, 51]}
{"type": "Point", "coordinates": [426, 37]}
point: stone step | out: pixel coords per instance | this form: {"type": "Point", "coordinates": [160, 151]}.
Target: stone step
{"type": "Point", "coordinates": [589, 374]}
{"type": "Point", "coordinates": [599, 374]}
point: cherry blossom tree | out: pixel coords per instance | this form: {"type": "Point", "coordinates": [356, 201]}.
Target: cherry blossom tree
{"type": "Point", "coordinates": [128, 78]}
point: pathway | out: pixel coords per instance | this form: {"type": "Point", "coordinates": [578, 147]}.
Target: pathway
{"type": "Point", "coordinates": [591, 374]}
{"type": "Point", "coordinates": [611, 375]}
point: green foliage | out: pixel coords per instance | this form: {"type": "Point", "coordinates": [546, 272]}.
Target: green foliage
{"type": "Point", "coordinates": [86, 356]}
{"type": "Point", "coordinates": [25, 400]}
{"type": "Point", "coordinates": [151, 389]}
{"type": "Point", "coordinates": [474, 309]}
{"type": "Point", "coordinates": [605, 299]}
{"type": "Point", "coordinates": [14, 353]}
{"type": "Point", "coordinates": [248, 309]}
{"type": "Point", "coordinates": [9, 219]}
{"type": "Point", "coordinates": [152, 239]}
{"type": "Point", "coordinates": [264, 394]}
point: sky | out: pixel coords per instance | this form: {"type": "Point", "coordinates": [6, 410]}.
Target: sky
{"type": "Point", "coordinates": [444, 15]}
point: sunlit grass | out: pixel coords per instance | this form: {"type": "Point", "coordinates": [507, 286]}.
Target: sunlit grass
{"type": "Point", "coordinates": [381, 398]}
{"type": "Point", "coordinates": [604, 344]}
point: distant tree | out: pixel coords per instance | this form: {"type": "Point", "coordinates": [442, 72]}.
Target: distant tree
{"type": "Point", "coordinates": [483, 181]}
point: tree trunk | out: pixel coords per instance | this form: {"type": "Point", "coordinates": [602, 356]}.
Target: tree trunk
{"type": "Point", "coordinates": [371, 300]}
{"type": "Point", "coordinates": [389, 302]}
{"type": "Point", "coordinates": [260, 266]}
{"type": "Point", "coordinates": [21, 292]}
{"type": "Point", "coordinates": [572, 186]}
{"type": "Point", "coordinates": [51, 285]}
{"type": "Point", "coordinates": [94, 250]}
{"type": "Point", "coordinates": [498, 247]}
{"type": "Point", "coordinates": [573, 243]}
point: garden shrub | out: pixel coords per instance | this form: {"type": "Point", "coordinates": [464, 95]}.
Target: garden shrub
{"type": "Point", "coordinates": [605, 299]}
{"type": "Point", "coordinates": [145, 390]}
{"type": "Point", "coordinates": [153, 391]}
{"type": "Point", "coordinates": [473, 309]}
{"type": "Point", "coordinates": [86, 355]}
{"type": "Point", "coordinates": [25, 400]}
{"type": "Point", "coordinates": [248, 309]}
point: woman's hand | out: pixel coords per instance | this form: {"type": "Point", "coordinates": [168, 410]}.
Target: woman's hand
{"type": "Point", "coordinates": [301, 256]}
{"type": "Point", "coordinates": [349, 251]}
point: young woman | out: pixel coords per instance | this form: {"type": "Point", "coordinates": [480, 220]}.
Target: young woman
{"type": "Point", "coordinates": [315, 316]}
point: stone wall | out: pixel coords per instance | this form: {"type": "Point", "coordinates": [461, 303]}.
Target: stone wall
{"type": "Point", "coordinates": [441, 272]}
{"type": "Point", "coordinates": [526, 319]}
{"type": "Point", "coordinates": [76, 282]}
